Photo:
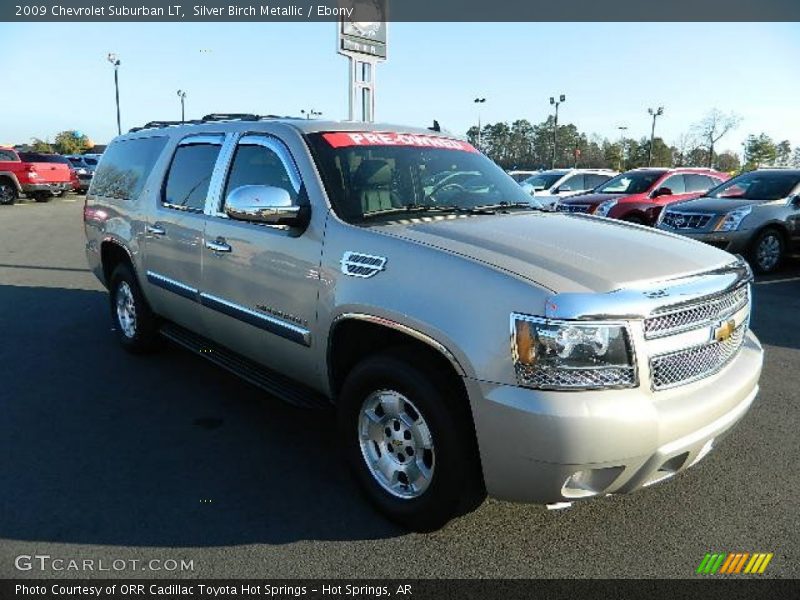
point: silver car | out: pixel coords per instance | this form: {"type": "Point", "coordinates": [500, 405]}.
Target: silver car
{"type": "Point", "coordinates": [470, 343]}
{"type": "Point", "coordinates": [756, 214]}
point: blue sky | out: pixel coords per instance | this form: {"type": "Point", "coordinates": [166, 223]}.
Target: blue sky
{"type": "Point", "coordinates": [56, 76]}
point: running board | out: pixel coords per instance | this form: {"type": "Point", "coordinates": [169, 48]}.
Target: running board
{"type": "Point", "coordinates": [268, 380]}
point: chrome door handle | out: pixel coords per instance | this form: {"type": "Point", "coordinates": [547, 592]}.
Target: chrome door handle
{"type": "Point", "coordinates": [155, 230]}
{"type": "Point", "coordinates": [219, 246]}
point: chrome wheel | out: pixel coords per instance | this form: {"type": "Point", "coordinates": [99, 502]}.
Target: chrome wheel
{"type": "Point", "coordinates": [126, 309]}
{"type": "Point", "coordinates": [768, 252]}
{"type": "Point", "coordinates": [396, 444]}
{"type": "Point", "coordinates": [7, 193]}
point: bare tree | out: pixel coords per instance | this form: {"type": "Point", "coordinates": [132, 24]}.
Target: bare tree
{"type": "Point", "coordinates": [684, 145]}
{"type": "Point", "coordinates": [713, 127]}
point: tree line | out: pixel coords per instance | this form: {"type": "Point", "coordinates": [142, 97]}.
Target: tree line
{"type": "Point", "coordinates": [66, 142]}
{"type": "Point", "coordinates": [523, 145]}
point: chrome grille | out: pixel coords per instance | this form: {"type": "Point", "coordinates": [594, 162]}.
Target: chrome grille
{"type": "Point", "coordinates": [679, 220]}
{"type": "Point", "coordinates": [573, 208]}
{"type": "Point", "coordinates": [685, 366]}
{"type": "Point", "coordinates": [669, 321]}
{"type": "Point", "coordinates": [608, 377]}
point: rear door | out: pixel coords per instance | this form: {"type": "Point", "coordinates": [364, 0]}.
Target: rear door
{"type": "Point", "coordinates": [260, 282]}
{"type": "Point", "coordinates": [174, 238]}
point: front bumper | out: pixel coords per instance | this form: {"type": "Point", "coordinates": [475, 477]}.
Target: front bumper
{"type": "Point", "coordinates": [53, 188]}
{"type": "Point", "coordinates": [736, 242]}
{"type": "Point", "coordinates": [613, 441]}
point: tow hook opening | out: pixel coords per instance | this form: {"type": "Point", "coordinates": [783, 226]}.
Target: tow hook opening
{"type": "Point", "coordinates": [590, 482]}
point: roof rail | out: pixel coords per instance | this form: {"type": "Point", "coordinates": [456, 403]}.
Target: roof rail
{"type": "Point", "coordinates": [231, 117]}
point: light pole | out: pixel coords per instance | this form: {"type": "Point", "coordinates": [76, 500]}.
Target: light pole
{"type": "Point", "coordinates": [114, 60]}
{"type": "Point", "coordinates": [622, 130]}
{"type": "Point", "coordinates": [182, 96]}
{"type": "Point", "coordinates": [479, 101]}
{"type": "Point", "coordinates": [655, 113]}
{"type": "Point", "coordinates": [311, 113]}
{"type": "Point", "coordinates": [556, 103]}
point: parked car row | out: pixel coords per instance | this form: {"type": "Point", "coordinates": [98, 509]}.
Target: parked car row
{"type": "Point", "coordinates": [756, 214]}
{"type": "Point", "coordinates": [41, 176]}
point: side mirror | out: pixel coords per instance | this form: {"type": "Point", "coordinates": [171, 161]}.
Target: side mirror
{"type": "Point", "coordinates": [796, 201]}
{"type": "Point", "coordinates": [265, 204]}
{"type": "Point", "coordinates": [662, 191]}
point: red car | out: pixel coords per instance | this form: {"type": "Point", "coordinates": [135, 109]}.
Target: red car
{"type": "Point", "coordinates": [39, 176]}
{"type": "Point", "coordinates": [639, 195]}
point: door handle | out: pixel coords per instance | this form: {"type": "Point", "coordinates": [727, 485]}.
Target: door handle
{"type": "Point", "coordinates": [155, 230]}
{"type": "Point", "coordinates": [219, 245]}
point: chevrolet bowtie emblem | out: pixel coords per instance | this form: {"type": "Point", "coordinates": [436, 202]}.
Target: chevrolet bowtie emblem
{"type": "Point", "coordinates": [724, 330]}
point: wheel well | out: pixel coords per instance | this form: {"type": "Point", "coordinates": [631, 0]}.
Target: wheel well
{"type": "Point", "coordinates": [111, 255]}
{"type": "Point", "coordinates": [10, 180]}
{"type": "Point", "coordinates": [784, 233]}
{"type": "Point", "coordinates": [352, 340]}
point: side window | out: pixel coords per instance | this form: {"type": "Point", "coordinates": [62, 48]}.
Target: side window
{"type": "Point", "coordinates": [125, 166]}
{"type": "Point", "coordinates": [573, 184]}
{"type": "Point", "coordinates": [189, 176]}
{"type": "Point", "coordinates": [675, 184]}
{"type": "Point", "coordinates": [8, 155]}
{"type": "Point", "coordinates": [699, 183]}
{"type": "Point", "coordinates": [592, 181]}
{"type": "Point", "coordinates": [254, 164]}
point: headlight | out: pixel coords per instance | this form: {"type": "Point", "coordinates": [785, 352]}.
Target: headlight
{"type": "Point", "coordinates": [564, 355]}
{"type": "Point", "coordinates": [732, 220]}
{"type": "Point", "coordinates": [604, 207]}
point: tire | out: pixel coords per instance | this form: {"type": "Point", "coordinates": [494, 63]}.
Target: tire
{"type": "Point", "coordinates": [767, 250]}
{"type": "Point", "coordinates": [42, 197]}
{"type": "Point", "coordinates": [419, 426]}
{"type": "Point", "coordinates": [8, 192]}
{"type": "Point", "coordinates": [135, 324]}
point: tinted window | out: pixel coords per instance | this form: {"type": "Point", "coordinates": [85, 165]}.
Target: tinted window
{"type": "Point", "coordinates": [125, 167]}
{"type": "Point", "coordinates": [632, 182]}
{"type": "Point", "coordinates": [675, 184]}
{"type": "Point", "coordinates": [699, 183]}
{"type": "Point", "coordinates": [41, 158]}
{"type": "Point", "coordinates": [573, 184]}
{"type": "Point", "coordinates": [258, 165]}
{"type": "Point", "coordinates": [90, 161]}
{"type": "Point", "coordinates": [758, 185]}
{"type": "Point", "coordinates": [189, 176]}
{"type": "Point", "coordinates": [8, 155]}
{"type": "Point", "coordinates": [592, 181]}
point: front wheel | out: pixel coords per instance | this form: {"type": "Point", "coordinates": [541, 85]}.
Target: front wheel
{"type": "Point", "coordinates": [409, 439]}
{"type": "Point", "coordinates": [767, 251]}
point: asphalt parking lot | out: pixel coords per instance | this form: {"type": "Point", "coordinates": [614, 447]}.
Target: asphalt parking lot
{"type": "Point", "coordinates": [106, 455]}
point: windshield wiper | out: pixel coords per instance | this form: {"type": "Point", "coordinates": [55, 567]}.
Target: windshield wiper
{"type": "Point", "coordinates": [505, 204]}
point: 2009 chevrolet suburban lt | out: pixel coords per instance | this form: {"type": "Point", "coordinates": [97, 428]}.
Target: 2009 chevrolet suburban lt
{"type": "Point", "coordinates": [471, 343]}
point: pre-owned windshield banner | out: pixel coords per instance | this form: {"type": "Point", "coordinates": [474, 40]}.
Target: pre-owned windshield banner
{"type": "Point", "coordinates": [386, 138]}
{"type": "Point", "coordinates": [367, 11]}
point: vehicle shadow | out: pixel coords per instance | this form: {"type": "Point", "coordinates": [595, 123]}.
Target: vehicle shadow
{"type": "Point", "coordinates": [101, 447]}
{"type": "Point", "coordinates": [778, 327]}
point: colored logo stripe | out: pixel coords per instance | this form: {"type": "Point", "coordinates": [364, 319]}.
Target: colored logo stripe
{"type": "Point", "coordinates": [734, 563]}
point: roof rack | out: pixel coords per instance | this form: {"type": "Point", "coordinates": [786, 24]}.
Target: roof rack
{"type": "Point", "coordinates": [210, 118]}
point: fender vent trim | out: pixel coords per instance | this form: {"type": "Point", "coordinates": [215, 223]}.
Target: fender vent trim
{"type": "Point", "coordinates": [357, 264]}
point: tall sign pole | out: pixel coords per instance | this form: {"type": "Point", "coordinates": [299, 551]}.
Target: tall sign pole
{"type": "Point", "coordinates": [364, 44]}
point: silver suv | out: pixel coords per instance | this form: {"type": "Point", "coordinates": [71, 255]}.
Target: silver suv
{"type": "Point", "coordinates": [470, 343]}
{"type": "Point", "coordinates": [756, 214]}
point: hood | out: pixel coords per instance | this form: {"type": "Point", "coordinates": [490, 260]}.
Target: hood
{"type": "Point", "coordinates": [595, 199]}
{"type": "Point", "coordinates": [715, 206]}
{"type": "Point", "coordinates": [567, 253]}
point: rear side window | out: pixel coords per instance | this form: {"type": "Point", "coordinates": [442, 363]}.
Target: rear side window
{"type": "Point", "coordinates": [8, 155]}
{"type": "Point", "coordinates": [675, 184]}
{"type": "Point", "coordinates": [190, 175]}
{"type": "Point", "coordinates": [699, 183]}
{"type": "Point", "coordinates": [125, 167]}
{"type": "Point", "coordinates": [592, 181]}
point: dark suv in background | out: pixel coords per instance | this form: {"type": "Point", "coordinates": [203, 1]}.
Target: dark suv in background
{"type": "Point", "coordinates": [756, 214]}
{"type": "Point", "coordinates": [639, 195]}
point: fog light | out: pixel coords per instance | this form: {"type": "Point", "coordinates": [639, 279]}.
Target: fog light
{"type": "Point", "coordinates": [590, 482]}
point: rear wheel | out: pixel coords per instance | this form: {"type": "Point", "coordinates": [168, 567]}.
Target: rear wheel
{"type": "Point", "coordinates": [767, 251]}
{"type": "Point", "coordinates": [8, 192]}
{"type": "Point", "coordinates": [410, 442]}
{"type": "Point", "coordinates": [134, 322]}
{"type": "Point", "coordinates": [42, 196]}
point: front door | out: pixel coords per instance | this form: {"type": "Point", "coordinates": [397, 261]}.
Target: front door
{"type": "Point", "coordinates": [260, 282]}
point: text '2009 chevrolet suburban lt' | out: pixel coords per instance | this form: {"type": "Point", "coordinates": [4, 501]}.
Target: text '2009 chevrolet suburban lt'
{"type": "Point", "coordinates": [470, 343]}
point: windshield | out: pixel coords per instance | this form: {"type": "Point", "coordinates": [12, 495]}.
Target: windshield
{"type": "Point", "coordinates": [757, 186]}
{"type": "Point", "coordinates": [543, 181]}
{"type": "Point", "coordinates": [371, 175]}
{"type": "Point", "coordinates": [630, 183]}
{"type": "Point", "coordinates": [92, 162]}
